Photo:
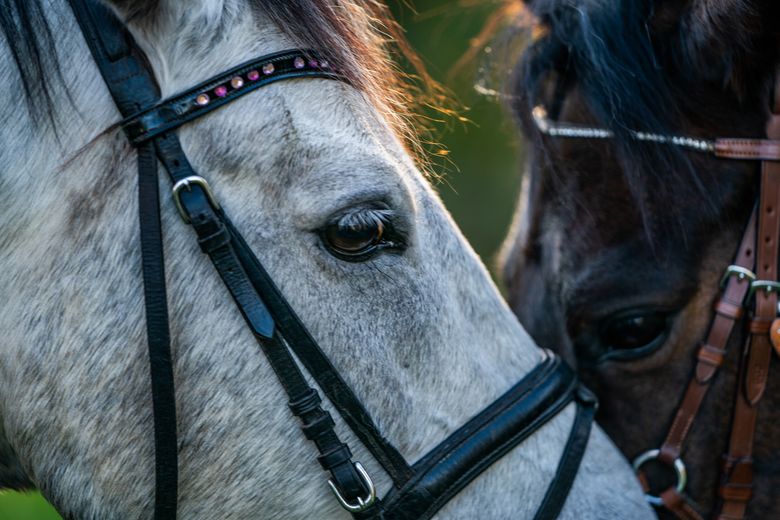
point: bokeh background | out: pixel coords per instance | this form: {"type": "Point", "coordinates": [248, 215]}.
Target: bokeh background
{"type": "Point", "coordinates": [478, 178]}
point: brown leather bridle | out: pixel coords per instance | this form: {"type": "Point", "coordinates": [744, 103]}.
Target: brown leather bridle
{"type": "Point", "coordinates": [753, 277]}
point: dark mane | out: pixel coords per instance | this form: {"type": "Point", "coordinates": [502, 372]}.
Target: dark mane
{"type": "Point", "coordinates": [651, 66]}
{"type": "Point", "coordinates": [360, 38]}
{"type": "Point", "coordinates": [31, 44]}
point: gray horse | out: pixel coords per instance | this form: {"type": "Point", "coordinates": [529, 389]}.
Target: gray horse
{"type": "Point", "coordinates": [416, 327]}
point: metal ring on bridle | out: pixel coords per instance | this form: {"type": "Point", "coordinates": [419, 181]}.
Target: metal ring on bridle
{"type": "Point", "coordinates": [362, 503]}
{"type": "Point", "coordinates": [186, 183]}
{"type": "Point", "coordinates": [679, 470]}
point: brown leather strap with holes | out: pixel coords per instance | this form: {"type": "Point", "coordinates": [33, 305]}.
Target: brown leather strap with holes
{"type": "Point", "coordinates": [737, 475]}
{"type": "Point", "coordinates": [735, 490]}
{"type": "Point", "coordinates": [728, 310]}
{"type": "Point", "coordinates": [747, 149]}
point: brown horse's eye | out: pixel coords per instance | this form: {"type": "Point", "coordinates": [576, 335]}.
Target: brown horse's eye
{"type": "Point", "coordinates": [354, 240]}
{"type": "Point", "coordinates": [635, 331]}
{"type": "Point", "coordinates": [361, 233]}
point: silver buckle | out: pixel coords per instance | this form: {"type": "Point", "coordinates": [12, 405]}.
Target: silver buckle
{"type": "Point", "coordinates": [187, 182]}
{"type": "Point", "coordinates": [741, 273]}
{"type": "Point", "coordinates": [362, 503]}
{"type": "Point", "coordinates": [768, 286]}
{"type": "Point", "coordinates": [679, 470]}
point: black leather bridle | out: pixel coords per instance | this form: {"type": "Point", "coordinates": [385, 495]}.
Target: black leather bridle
{"type": "Point", "coordinates": [420, 489]}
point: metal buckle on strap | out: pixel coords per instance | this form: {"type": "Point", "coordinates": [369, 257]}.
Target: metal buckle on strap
{"type": "Point", "coordinates": [187, 182]}
{"type": "Point", "coordinates": [679, 470]}
{"type": "Point", "coordinates": [741, 273]}
{"type": "Point", "coordinates": [768, 286]}
{"type": "Point", "coordinates": [362, 503]}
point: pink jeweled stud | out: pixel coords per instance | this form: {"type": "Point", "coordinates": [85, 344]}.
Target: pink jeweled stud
{"type": "Point", "coordinates": [324, 64]}
{"type": "Point", "coordinates": [313, 63]}
{"type": "Point", "coordinates": [202, 100]}
{"type": "Point", "coordinates": [253, 75]}
{"type": "Point", "coordinates": [299, 63]}
{"type": "Point", "coordinates": [237, 82]}
{"type": "Point", "coordinates": [268, 68]}
{"type": "Point", "coordinates": [221, 91]}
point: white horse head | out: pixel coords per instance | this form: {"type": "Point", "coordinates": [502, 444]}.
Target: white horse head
{"type": "Point", "coordinates": [415, 326]}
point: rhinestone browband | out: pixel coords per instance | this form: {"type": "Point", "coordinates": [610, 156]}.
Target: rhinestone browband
{"type": "Point", "coordinates": [243, 79]}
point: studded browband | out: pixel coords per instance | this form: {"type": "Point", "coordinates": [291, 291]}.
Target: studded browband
{"type": "Point", "coordinates": [217, 92]}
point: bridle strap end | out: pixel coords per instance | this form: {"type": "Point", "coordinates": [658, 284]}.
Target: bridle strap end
{"type": "Point", "coordinates": [747, 149]}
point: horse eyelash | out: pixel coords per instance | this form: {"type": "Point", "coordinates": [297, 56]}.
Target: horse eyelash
{"type": "Point", "coordinates": [366, 217]}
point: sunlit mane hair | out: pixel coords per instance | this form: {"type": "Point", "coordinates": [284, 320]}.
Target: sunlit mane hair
{"type": "Point", "coordinates": [364, 40]}
{"type": "Point", "coordinates": [361, 38]}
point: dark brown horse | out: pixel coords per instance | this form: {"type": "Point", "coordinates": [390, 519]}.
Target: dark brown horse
{"type": "Point", "coordinates": [619, 244]}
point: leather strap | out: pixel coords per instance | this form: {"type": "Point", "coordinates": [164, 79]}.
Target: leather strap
{"type": "Point", "coordinates": [729, 308]}
{"type": "Point", "coordinates": [122, 70]}
{"type": "Point", "coordinates": [133, 88]}
{"type": "Point", "coordinates": [737, 476]}
{"type": "Point", "coordinates": [216, 236]}
{"type": "Point", "coordinates": [713, 350]}
{"type": "Point", "coordinates": [158, 336]}
{"type": "Point", "coordinates": [317, 363]}
{"type": "Point", "coordinates": [120, 62]}
{"type": "Point", "coordinates": [678, 504]}
{"type": "Point", "coordinates": [465, 454]}
{"type": "Point", "coordinates": [555, 497]}
{"type": "Point", "coordinates": [747, 149]}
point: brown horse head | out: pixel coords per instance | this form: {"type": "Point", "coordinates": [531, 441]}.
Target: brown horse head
{"type": "Point", "coordinates": [619, 244]}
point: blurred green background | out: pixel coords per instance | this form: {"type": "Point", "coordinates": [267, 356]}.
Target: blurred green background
{"type": "Point", "coordinates": [481, 181]}
{"type": "Point", "coordinates": [480, 176]}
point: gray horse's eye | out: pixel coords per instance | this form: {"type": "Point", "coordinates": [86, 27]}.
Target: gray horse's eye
{"type": "Point", "coordinates": [358, 235]}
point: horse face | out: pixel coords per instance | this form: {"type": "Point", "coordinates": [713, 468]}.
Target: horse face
{"type": "Point", "coordinates": [626, 306]}
{"type": "Point", "coordinates": [587, 275]}
{"type": "Point", "coordinates": [617, 250]}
